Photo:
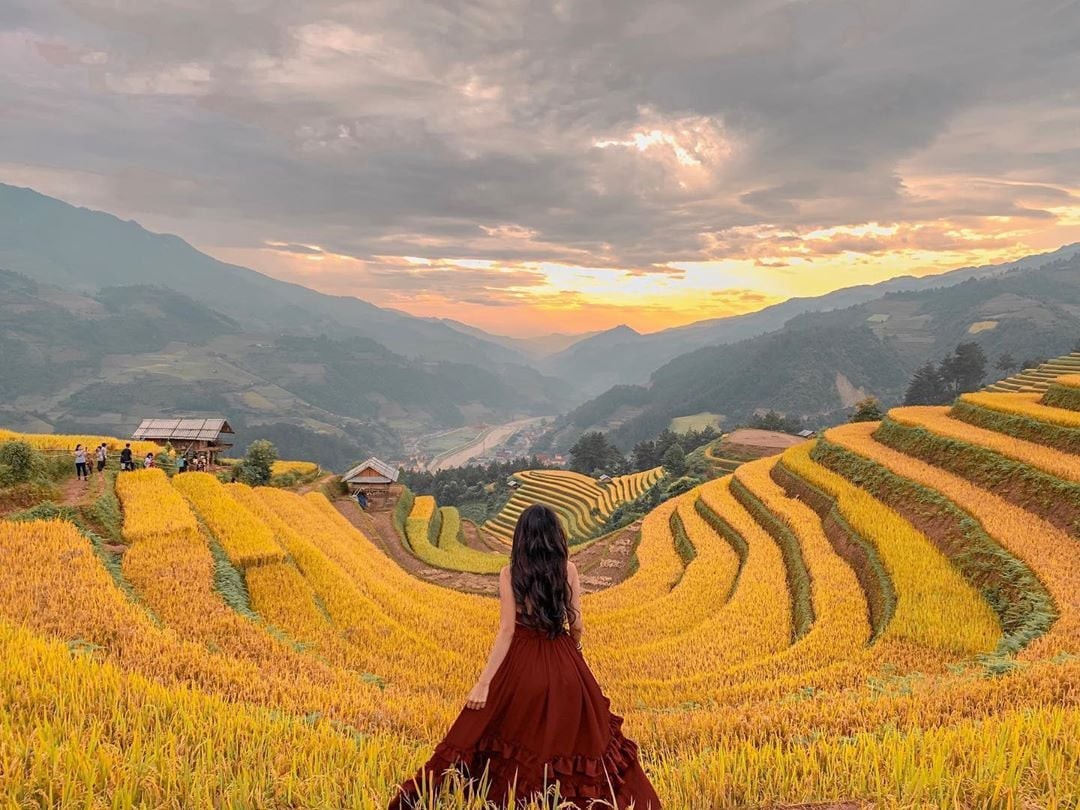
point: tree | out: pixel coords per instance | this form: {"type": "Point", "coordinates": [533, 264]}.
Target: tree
{"type": "Point", "coordinates": [867, 410]}
{"type": "Point", "coordinates": [1032, 362]}
{"type": "Point", "coordinates": [1005, 364]}
{"type": "Point", "coordinates": [965, 368]}
{"type": "Point", "coordinates": [592, 452]}
{"type": "Point", "coordinates": [664, 442]}
{"type": "Point", "coordinates": [674, 461]}
{"type": "Point", "coordinates": [644, 455]}
{"type": "Point", "coordinates": [927, 387]}
{"type": "Point", "coordinates": [255, 469]}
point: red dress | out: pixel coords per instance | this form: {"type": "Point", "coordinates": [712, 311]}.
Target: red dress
{"type": "Point", "coordinates": [545, 716]}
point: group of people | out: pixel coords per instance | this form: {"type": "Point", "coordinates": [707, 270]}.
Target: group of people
{"type": "Point", "coordinates": [87, 460]}
{"type": "Point", "coordinates": [192, 463]}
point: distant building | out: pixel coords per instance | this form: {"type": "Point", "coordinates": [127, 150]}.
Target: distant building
{"type": "Point", "coordinates": [373, 477]}
{"type": "Point", "coordinates": [604, 480]}
{"type": "Point", "coordinates": [807, 434]}
{"type": "Point", "coordinates": [188, 435]}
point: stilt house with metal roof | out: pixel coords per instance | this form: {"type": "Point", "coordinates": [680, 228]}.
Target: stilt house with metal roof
{"type": "Point", "coordinates": [188, 435]}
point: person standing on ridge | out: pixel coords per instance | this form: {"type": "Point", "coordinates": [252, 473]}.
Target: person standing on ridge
{"type": "Point", "coordinates": [537, 716]}
{"type": "Point", "coordinates": [125, 458]}
{"type": "Point", "coordinates": [102, 455]}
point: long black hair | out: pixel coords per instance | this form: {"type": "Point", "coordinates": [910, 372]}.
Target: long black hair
{"type": "Point", "coordinates": [538, 571]}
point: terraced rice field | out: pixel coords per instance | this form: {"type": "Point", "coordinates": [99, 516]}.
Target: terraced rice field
{"type": "Point", "coordinates": [887, 616]}
{"type": "Point", "coordinates": [434, 535]}
{"type": "Point", "coordinates": [582, 503]}
{"type": "Point", "coordinates": [1040, 378]}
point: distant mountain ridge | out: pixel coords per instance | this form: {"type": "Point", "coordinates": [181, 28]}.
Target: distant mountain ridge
{"type": "Point", "coordinates": [535, 347]}
{"type": "Point", "coordinates": [163, 317]}
{"type": "Point", "coordinates": [77, 362]}
{"type": "Point", "coordinates": [623, 356]}
{"type": "Point", "coordinates": [85, 250]}
{"type": "Point", "coordinates": [818, 363]}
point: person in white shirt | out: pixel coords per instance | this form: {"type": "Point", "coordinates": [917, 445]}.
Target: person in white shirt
{"type": "Point", "coordinates": [81, 470]}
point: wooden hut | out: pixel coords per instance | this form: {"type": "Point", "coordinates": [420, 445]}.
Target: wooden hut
{"type": "Point", "coordinates": [188, 435]}
{"type": "Point", "coordinates": [375, 478]}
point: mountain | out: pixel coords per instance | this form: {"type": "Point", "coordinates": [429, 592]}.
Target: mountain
{"type": "Point", "coordinates": [623, 356]}
{"type": "Point", "coordinates": [80, 362]}
{"type": "Point", "coordinates": [79, 249]}
{"type": "Point", "coordinates": [535, 347]}
{"type": "Point", "coordinates": [819, 363]}
{"type": "Point", "coordinates": [104, 322]}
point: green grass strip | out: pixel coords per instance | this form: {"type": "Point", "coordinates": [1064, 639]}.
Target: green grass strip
{"type": "Point", "coordinates": [1062, 396]}
{"type": "Point", "coordinates": [856, 550]}
{"type": "Point", "coordinates": [105, 510]}
{"type": "Point", "coordinates": [402, 509]}
{"type": "Point", "coordinates": [683, 544]}
{"type": "Point", "coordinates": [1059, 437]}
{"type": "Point", "coordinates": [230, 584]}
{"type": "Point", "coordinates": [798, 577]}
{"type": "Point", "coordinates": [1023, 605]}
{"type": "Point", "coordinates": [1053, 498]}
{"type": "Point", "coordinates": [729, 534]}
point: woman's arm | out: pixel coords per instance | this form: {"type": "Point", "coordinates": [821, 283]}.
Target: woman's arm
{"type": "Point", "coordinates": [507, 617]}
{"type": "Point", "coordinates": [577, 626]}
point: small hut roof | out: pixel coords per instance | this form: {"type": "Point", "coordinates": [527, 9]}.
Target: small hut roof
{"type": "Point", "coordinates": [184, 429]}
{"type": "Point", "coordinates": [379, 466]}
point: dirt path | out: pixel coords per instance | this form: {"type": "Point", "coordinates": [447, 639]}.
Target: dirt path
{"type": "Point", "coordinates": [379, 528]}
{"type": "Point", "coordinates": [478, 539]}
{"type": "Point", "coordinates": [608, 560]}
{"type": "Point", "coordinates": [603, 564]}
{"type": "Point", "coordinates": [74, 492]}
{"type": "Point", "coordinates": [317, 484]}
{"type": "Point", "coordinates": [767, 439]}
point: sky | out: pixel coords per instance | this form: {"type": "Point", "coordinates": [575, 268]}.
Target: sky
{"type": "Point", "coordinates": [538, 166]}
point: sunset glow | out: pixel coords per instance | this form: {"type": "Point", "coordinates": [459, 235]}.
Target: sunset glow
{"type": "Point", "coordinates": [551, 171]}
{"type": "Point", "coordinates": [534, 298]}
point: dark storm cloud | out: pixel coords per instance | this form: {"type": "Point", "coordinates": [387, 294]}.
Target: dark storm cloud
{"type": "Point", "coordinates": [587, 132]}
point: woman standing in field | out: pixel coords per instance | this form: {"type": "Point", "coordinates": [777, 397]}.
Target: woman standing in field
{"type": "Point", "coordinates": [536, 717]}
{"type": "Point", "coordinates": [82, 471]}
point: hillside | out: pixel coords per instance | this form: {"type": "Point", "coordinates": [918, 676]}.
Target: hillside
{"type": "Point", "coordinates": [889, 615]}
{"type": "Point", "coordinates": [105, 360]}
{"type": "Point", "coordinates": [820, 363]}
{"type": "Point", "coordinates": [83, 250]}
{"type": "Point", "coordinates": [622, 356]}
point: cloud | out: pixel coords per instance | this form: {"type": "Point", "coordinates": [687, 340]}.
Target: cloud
{"type": "Point", "coordinates": [571, 133]}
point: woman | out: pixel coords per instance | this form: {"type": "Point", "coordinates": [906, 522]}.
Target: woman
{"type": "Point", "coordinates": [148, 462]}
{"type": "Point", "coordinates": [536, 716]}
{"type": "Point", "coordinates": [82, 471]}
